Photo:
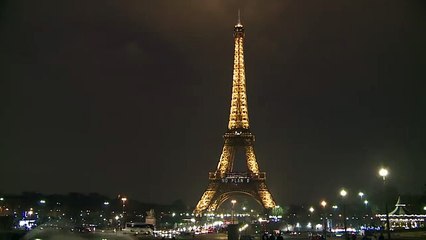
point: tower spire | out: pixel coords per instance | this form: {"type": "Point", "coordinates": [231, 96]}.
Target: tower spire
{"type": "Point", "coordinates": [239, 17]}
{"type": "Point", "coordinates": [238, 117]}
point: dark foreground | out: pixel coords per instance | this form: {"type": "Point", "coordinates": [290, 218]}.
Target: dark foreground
{"type": "Point", "coordinates": [62, 235]}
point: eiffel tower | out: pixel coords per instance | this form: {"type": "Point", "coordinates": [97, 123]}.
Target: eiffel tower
{"type": "Point", "coordinates": [224, 182]}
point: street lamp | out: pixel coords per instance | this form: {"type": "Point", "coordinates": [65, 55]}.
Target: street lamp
{"type": "Point", "coordinates": [324, 221]}
{"type": "Point", "coordinates": [343, 194]}
{"type": "Point", "coordinates": [311, 210]}
{"type": "Point", "coordinates": [383, 172]}
{"type": "Point", "coordinates": [233, 201]}
{"type": "Point", "coordinates": [361, 195]}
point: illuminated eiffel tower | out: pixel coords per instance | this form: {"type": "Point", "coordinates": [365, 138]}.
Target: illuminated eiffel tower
{"type": "Point", "coordinates": [224, 182]}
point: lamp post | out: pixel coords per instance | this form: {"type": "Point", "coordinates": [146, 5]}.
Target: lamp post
{"type": "Point", "coordinates": [311, 210]}
{"type": "Point", "coordinates": [361, 195]}
{"type": "Point", "coordinates": [383, 172]}
{"type": "Point", "coordinates": [233, 201]}
{"type": "Point", "coordinates": [124, 199]}
{"type": "Point", "coordinates": [324, 220]}
{"type": "Point", "coordinates": [343, 194]}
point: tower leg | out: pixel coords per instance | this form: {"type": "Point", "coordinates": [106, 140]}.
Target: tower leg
{"type": "Point", "coordinates": [206, 199]}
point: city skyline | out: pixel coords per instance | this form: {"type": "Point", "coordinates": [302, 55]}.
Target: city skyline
{"type": "Point", "coordinates": [134, 97]}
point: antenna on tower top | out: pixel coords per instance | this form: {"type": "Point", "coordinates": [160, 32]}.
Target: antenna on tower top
{"type": "Point", "coordinates": [239, 17]}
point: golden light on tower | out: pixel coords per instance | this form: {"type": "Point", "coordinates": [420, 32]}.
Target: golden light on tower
{"type": "Point", "coordinates": [238, 117]}
{"type": "Point", "coordinates": [237, 137]}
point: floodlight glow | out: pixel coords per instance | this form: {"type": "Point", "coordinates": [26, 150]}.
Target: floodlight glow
{"type": "Point", "coordinates": [383, 172]}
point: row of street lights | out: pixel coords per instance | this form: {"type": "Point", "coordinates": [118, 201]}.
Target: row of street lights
{"type": "Point", "coordinates": [383, 172]}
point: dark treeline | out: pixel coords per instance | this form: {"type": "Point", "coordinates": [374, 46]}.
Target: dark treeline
{"type": "Point", "coordinates": [76, 202]}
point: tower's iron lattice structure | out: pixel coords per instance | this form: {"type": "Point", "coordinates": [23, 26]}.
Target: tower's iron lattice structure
{"type": "Point", "coordinates": [224, 182]}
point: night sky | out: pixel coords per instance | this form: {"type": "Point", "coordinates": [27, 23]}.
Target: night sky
{"type": "Point", "coordinates": [133, 96]}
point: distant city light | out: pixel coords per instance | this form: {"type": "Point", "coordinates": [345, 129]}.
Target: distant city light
{"type": "Point", "coordinates": [343, 193]}
{"type": "Point", "coordinates": [361, 194]}
{"type": "Point", "coordinates": [106, 203]}
{"type": "Point", "coordinates": [1, 199]}
{"type": "Point", "coordinates": [335, 207]}
{"type": "Point", "coordinates": [42, 201]}
{"type": "Point", "coordinates": [311, 209]}
{"type": "Point", "coordinates": [323, 203]}
{"type": "Point", "coordinates": [365, 202]}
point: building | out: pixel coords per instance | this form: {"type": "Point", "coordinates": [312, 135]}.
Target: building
{"type": "Point", "coordinates": [401, 218]}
